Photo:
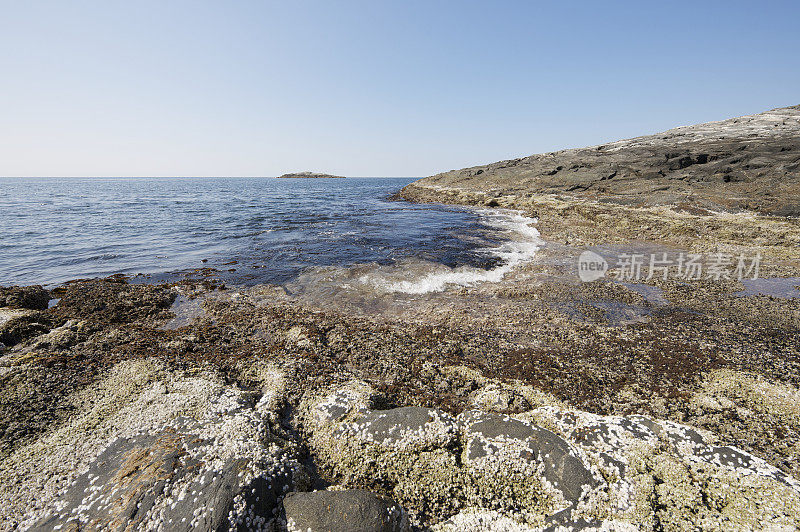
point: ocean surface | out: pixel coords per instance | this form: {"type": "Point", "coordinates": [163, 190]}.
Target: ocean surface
{"type": "Point", "coordinates": [249, 231]}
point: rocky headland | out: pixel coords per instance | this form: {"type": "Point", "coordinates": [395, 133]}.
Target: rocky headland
{"type": "Point", "coordinates": [534, 403]}
{"type": "Point", "coordinates": [742, 164]}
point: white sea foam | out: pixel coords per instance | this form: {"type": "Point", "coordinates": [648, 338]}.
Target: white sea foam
{"type": "Point", "coordinates": [522, 247]}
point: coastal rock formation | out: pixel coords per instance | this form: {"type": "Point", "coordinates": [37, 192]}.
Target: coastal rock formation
{"type": "Point", "coordinates": [747, 163]}
{"type": "Point", "coordinates": [174, 480]}
{"type": "Point", "coordinates": [108, 417]}
{"type": "Point", "coordinates": [207, 456]}
{"type": "Point", "coordinates": [310, 175]}
{"type": "Point", "coordinates": [157, 450]}
{"type": "Point", "coordinates": [485, 469]}
{"type": "Point", "coordinates": [115, 301]}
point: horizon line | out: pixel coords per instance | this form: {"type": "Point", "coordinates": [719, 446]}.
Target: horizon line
{"type": "Point", "coordinates": [198, 177]}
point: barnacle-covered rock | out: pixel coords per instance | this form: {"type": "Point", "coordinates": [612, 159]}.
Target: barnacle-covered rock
{"type": "Point", "coordinates": [343, 511]}
{"type": "Point", "coordinates": [509, 453]}
{"type": "Point", "coordinates": [436, 464]}
{"type": "Point", "coordinates": [156, 450]}
{"type": "Point", "coordinates": [406, 428]}
{"type": "Point", "coordinates": [496, 398]}
{"type": "Point", "coordinates": [208, 474]}
{"type": "Point", "coordinates": [661, 471]}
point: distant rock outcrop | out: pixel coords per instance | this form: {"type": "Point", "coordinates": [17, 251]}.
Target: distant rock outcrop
{"type": "Point", "coordinates": [310, 175]}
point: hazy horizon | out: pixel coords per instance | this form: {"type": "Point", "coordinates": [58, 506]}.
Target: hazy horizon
{"type": "Point", "coordinates": [360, 89]}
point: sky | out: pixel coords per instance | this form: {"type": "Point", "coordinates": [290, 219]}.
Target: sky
{"type": "Point", "coordinates": [372, 88]}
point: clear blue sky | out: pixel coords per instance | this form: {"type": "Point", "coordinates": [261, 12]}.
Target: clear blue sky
{"type": "Point", "coordinates": [253, 88]}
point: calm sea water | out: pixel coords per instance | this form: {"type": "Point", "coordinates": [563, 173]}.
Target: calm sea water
{"type": "Point", "coordinates": [266, 230]}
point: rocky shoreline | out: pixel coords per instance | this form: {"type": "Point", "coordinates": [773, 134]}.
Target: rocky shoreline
{"type": "Point", "coordinates": [109, 417]}
{"type": "Point", "coordinates": [535, 403]}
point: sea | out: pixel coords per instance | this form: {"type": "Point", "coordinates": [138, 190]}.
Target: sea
{"type": "Point", "coordinates": [248, 231]}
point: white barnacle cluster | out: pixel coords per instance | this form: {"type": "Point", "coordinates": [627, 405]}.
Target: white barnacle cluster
{"type": "Point", "coordinates": [428, 455]}
{"type": "Point", "coordinates": [384, 429]}
{"type": "Point", "coordinates": [744, 464]}
{"type": "Point", "coordinates": [505, 475]}
{"type": "Point", "coordinates": [291, 526]}
{"type": "Point", "coordinates": [136, 397]}
{"type": "Point", "coordinates": [515, 460]}
{"type": "Point", "coordinates": [233, 433]}
{"type": "Point", "coordinates": [243, 515]}
{"type": "Point", "coordinates": [481, 520]}
{"type": "Point", "coordinates": [187, 436]}
{"type": "Point", "coordinates": [351, 399]}
{"type": "Point", "coordinates": [631, 451]}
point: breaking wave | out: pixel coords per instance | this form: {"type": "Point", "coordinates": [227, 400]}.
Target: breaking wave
{"type": "Point", "coordinates": [522, 244]}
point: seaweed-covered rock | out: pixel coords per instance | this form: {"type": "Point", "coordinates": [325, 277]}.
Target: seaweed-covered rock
{"type": "Point", "coordinates": [343, 511]}
{"type": "Point", "coordinates": [19, 325]}
{"type": "Point", "coordinates": [115, 301]}
{"type": "Point", "coordinates": [27, 297]}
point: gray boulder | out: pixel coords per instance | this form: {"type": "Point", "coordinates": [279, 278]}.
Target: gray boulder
{"type": "Point", "coordinates": [151, 481]}
{"type": "Point", "coordinates": [492, 436]}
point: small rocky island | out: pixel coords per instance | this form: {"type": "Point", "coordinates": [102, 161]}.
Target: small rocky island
{"type": "Point", "coordinates": [310, 175]}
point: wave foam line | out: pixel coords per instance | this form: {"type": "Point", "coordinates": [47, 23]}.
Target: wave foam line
{"type": "Point", "coordinates": [517, 251]}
